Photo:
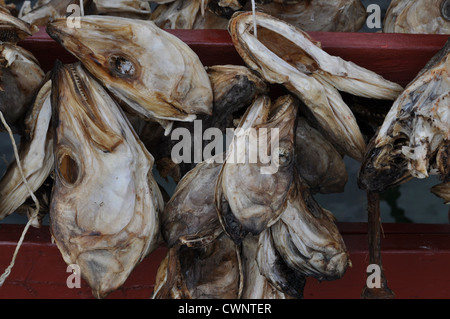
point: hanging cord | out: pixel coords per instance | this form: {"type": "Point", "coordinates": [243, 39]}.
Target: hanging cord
{"type": "Point", "coordinates": [254, 18]}
{"type": "Point", "coordinates": [35, 214]}
{"type": "Point", "coordinates": [82, 7]}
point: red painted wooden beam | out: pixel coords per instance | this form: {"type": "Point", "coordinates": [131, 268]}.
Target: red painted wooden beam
{"type": "Point", "coordinates": [416, 259]}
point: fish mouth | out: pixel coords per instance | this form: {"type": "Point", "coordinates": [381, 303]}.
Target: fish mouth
{"type": "Point", "coordinates": [383, 167]}
{"type": "Point", "coordinates": [445, 10]}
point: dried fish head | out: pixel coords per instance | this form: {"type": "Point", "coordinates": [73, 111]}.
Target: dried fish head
{"type": "Point", "coordinates": [180, 14]}
{"type": "Point", "coordinates": [234, 88]}
{"type": "Point", "coordinates": [284, 54]}
{"type": "Point", "coordinates": [307, 237]}
{"type": "Point", "coordinates": [256, 285]}
{"type": "Point", "coordinates": [420, 16]}
{"type": "Point", "coordinates": [162, 79]}
{"type": "Point", "coordinates": [46, 11]}
{"type": "Point", "coordinates": [210, 272]}
{"type": "Point", "coordinates": [35, 153]}
{"type": "Point", "coordinates": [317, 161]}
{"type": "Point", "coordinates": [105, 203]}
{"type": "Point", "coordinates": [255, 191]}
{"type": "Point", "coordinates": [137, 9]}
{"type": "Point", "coordinates": [318, 15]}
{"type": "Point", "coordinates": [414, 130]}
{"type": "Point", "coordinates": [13, 29]}
{"type": "Point", "coordinates": [190, 216]}
{"type": "Point", "coordinates": [273, 267]}
{"type": "Point", "coordinates": [225, 8]}
{"type": "Point", "coordinates": [20, 78]}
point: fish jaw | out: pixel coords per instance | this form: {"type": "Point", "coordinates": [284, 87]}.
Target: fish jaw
{"type": "Point", "coordinates": [160, 79]}
{"type": "Point", "coordinates": [105, 203]}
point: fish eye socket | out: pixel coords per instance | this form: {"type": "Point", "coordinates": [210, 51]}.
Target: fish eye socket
{"type": "Point", "coordinates": [445, 10]}
{"type": "Point", "coordinates": [284, 156]}
{"type": "Point", "coordinates": [68, 169]}
{"type": "Point", "coordinates": [121, 66]}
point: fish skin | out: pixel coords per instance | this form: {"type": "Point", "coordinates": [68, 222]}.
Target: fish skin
{"type": "Point", "coordinates": [418, 16]}
{"type": "Point", "coordinates": [443, 191]}
{"type": "Point", "coordinates": [319, 164]}
{"type": "Point", "coordinates": [307, 238]}
{"type": "Point", "coordinates": [312, 75]}
{"type": "Point", "coordinates": [273, 267]}
{"type": "Point", "coordinates": [48, 11]}
{"type": "Point", "coordinates": [190, 216]}
{"type": "Point", "coordinates": [136, 9]}
{"type": "Point", "coordinates": [256, 285]}
{"type": "Point", "coordinates": [318, 15]}
{"type": "Point", "coordinates": [104, 212]}
{"type": "Point", "coordinates": [21, 78]}
{"type": "Point", "coordinates": [416, 128]}
{"type": "Point", "coordinates": [209, 272]}
{"type": "Point", "coordinates": [35, 153]}
{"type": "Point", "coordinates": [162, 79]}
{"type": "Point", "coordinates": [256, 200]}
{"type": "Point", "coordinates": [14, 29]}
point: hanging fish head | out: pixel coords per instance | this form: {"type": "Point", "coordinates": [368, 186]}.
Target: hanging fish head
{"type": "Point", "coordinates": [414, 136]}
{"type": "Point", "coordinates": [105, 202]}
{"type": "Point", "coordinates": [154, 73]}
{"type": "Point", "coordinates": [258, 169]}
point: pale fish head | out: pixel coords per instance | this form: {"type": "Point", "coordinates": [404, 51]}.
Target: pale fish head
{"type": "Point", "coordinates": [153, 72]}
{"type": "Point", "coordinates": [307, 237]}
{"type": "Point", "coordinates": [258, 169]}
{"type": "Point", "coordinates": [105, 201]}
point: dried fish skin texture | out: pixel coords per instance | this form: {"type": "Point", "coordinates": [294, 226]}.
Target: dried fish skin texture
{"type": "Point", "coordinates": [162, 79]}
{"type": "Point", "coordinates": [180, 14]}
{"type": "Point", "coordinates": [210, 272]}
{"type": "Point", "coordinates": [105, 204]}
{"type": "Point", "coordinates": [443, 191]}
{"type": "Point", "coordinates": [47, 11]}
{"type": "Point", "coordinates": [136, 9]}
{"type": "Point", "coordinates": [13, 29]}
{"type": "Point", "coordinates": [272, 266]}
{"type": "Point", "coordinates": [35, 153]}
{"type": "Point", "coordinates": [308, 239]}
{"type": "Point", "coordinates": [190, 216]}
{"type": "Point", "coordinates": [317, 161]}
{"type": "Point", "coordinates": [414, 130]}
{"type": "Point", "coordinates": [254, 284]}
{"type": "Point", "coordinates": [318, 15]}
{"type": "Point", "coordinates": [20, 79]}
{"type": "Point", "coordinates": [256, 194]}
{"type": "Point", "coordinates": [284, 54]}
{"type": "Point", "coordinates": [418, 16]}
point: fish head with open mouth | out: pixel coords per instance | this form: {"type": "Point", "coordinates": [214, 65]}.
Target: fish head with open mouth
{"type": "Point", "coordinates": [105, 204]}
{"type": "Point", "coordinates": [284, 54]}
{"type": "Point", "coordinates": [151, 71]}
{"type": "Point", "coordinates": [414, 137]}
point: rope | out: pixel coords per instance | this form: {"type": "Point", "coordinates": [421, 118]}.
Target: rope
{"type": "Point", "coordinates": [31, 219]}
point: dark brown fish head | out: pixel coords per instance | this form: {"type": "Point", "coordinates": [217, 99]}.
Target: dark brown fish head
{"type": "Point", "coordinates": [383, 167]}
